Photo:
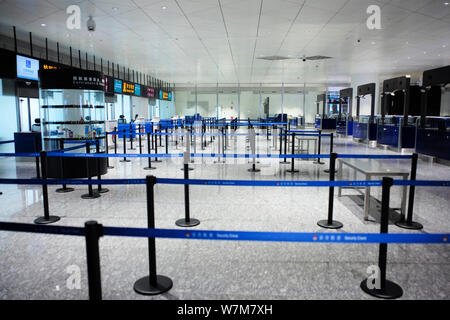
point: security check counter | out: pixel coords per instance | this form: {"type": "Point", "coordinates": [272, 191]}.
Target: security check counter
{"type": "Point", "coordinates": [396, 129]}
{"type": "Point", "coordinates": [364, 127]}
{"type": "Point", "coordinates": [373, 168]}
{"type": "Point", "coordinates": [433, 132]}
{"type": "Point", "coordinates": [322, 121]}
{"type": "Point", "coordinates": [344, 122]}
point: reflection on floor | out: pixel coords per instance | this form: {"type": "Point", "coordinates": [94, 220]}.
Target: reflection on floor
{"type": "Point", "coordinates": [38, 266]}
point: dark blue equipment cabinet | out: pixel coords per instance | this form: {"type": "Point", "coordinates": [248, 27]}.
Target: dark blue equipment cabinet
{"type": "Point", "coordinates": [433, 142]}
{"type": "Point", "coordinates": [27, 142]}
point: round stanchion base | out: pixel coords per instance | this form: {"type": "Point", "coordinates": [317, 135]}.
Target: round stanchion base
{"type": "Point", "coordinates": [410, 226]}
{"type": "Point", "coordinates": [157, 161]}
{"type": "Point", "coordinates": [318, 162]}
{"type": "Point", "coordinates": [64, 190]}
{"type": "Point", "coordinates": [143, 286]}
{"type": "Point", "coordinates": [125, 160]}
{"type": "Point", "coordinates": [187, 224]}
{"type": "Point", "coordinates": [253, 170]}
{"type": "Point", "coordinates": [149, 168]}
{"type": "Point", "coordinates": [94, 195]}
{"type": "Point", "coordinates": [328, 171]}
{"type": "Point", "coordinates": [292, 171]}
{"type": "Point", "coordinates": [103, 190]}
{"type": "Point", "coordinates": [189, 169]}
{"type": "Point", "coordinates": [391, 290]}
{"type": "Point", "coordinates": [334, 224]}
{"type": "Point", "coordinates": [43, 220]}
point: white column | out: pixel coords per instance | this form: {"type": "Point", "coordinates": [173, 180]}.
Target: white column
{"type": "Point", "coordinates": [239, 100]}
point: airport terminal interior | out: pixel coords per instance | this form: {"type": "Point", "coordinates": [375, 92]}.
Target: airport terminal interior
{"type": "Point", "coordinates": [224, 149]}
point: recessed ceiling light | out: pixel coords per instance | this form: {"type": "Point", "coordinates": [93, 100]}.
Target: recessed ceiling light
{"type": "Point", "coordinates": [409, 57]}
{"type": "Point", "coordinates": [164, 7]}
{"type": "Point", "coordinates": [115, 8]}
{"type": "Point", "coordinates": [446, 3]}
{"type": "Point", "coordinates": [424, 52]}
{"type": "Point", "coordinates": [43, 25]}
{"type": "Point", "coordinates": [444, 46]}
{"type": "Point", "coordinates": [373, 42]}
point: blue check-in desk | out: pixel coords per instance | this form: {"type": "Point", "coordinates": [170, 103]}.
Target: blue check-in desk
{"type": "Point", "coordinates": [434, 139]}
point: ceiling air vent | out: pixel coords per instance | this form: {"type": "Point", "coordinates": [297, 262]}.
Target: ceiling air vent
{"type": "Point", "coordinates": [318, 58]}
{"type": "Point", "coordinates": [274, 58]}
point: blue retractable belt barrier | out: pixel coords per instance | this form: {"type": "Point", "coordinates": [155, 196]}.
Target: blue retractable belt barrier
{"type": "Point", "coordinates": [34, 228]}
{"type": "Point", "coordinates": [277, 236]}
{"type": "Point", "coordinates": [208, 182]}
{"type": "Point", "coordinates": [235, 235]}
{"type": "Point", "coordinates": [35, 154]}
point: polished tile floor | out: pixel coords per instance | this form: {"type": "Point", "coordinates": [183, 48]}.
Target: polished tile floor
{"type": "Point", "coordinates": [41, 266]}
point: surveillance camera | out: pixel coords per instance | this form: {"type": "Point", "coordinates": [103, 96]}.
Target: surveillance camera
{"type": "Point", "coordinates": [91, 24]}
{"type": "Point", "coordinates": [304, 59]}
{"type": "Point", "coordinates": [359, 40]}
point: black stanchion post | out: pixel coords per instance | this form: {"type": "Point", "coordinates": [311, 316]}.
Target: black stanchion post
{"type": "Point", "coordinates": [285, 146]}
{"type": "Point", "coordinates": [187, 221]}
{"type": "Point", "coordinates": [99, 175]}
{"type": "Point", "coordinates": [149, 152]}
{"type": "Point", "coordinates": [124, 146]}
{"type": "Point", "coordinates": [152, 284]}
{"type": "Point", "coordinates": [131, 137]}
{"type": "Point", "coordinates": [115, 140]}
{"type": "Point", "coordinates": [330, 223]}
{"type": "Point", "coordinates": [318, 148]}
{"type": "Point", "coordinates": [331, 151]}
{"type": "Point", "coordinates": [167, 141]}
{"type": "Point", "coordinates": [93, 231]}
{"type": "Point", "coordinates": [107, 151]}
{"type": "Point", "coordinates": [160, 137]}
{"type": "Point", "coordinates": [64, 188]}
{"type": "Point", "coordinates": [156, 147]}
{"type": "Point", "coordinates": [292, 170]}
{"type": "Point", "coordinates": [409, 223]}
{"type": "Point", "coordinates": [281, 140]}
{"type": "Point", "coordinates": [383, 288]}
{"type": "Point", "coordinates": [36, 149]}
{"type": "Point", "coordinates": [140, 140]}
{"type": "Point", "coordinates": [91, 194]}
{"type": "Point", "coordinates": [47, 218]}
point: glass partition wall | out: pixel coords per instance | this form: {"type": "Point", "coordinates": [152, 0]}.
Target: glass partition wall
{"type": "Point", "coordinates": [247, 100]}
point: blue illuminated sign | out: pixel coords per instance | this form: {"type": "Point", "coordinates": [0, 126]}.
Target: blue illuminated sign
{"type": "Point", "coordinates": [118, 86]}
{"type": "Point", "coordinates": [137, 90]}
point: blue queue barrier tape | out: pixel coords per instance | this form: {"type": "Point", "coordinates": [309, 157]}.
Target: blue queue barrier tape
{"type": "Point", "coordinates": [113, 155]}
{"type": "Point", "coordinates": [260, 156]}
{"type": "Point", "coordinates": [207, 182]}
{"type": "Point", "coordinates": [80, 142]}
{"type": "Point", "coordinates": [278, 236]}
{"type": "Point", "coordinates": [422, 183]}
{"type": "Point", "coordinates": [47, 229]}
{"type": "Point", "coordinates": [71, 181]}
{"type": "Point", "coordinates": [9, 141]}
{"type": "Point", "coordinates": [442, 238]}
{"type": "Point", "coordinates": [36, 154]}
{"type": "Point", "coordinates": [269, 183]}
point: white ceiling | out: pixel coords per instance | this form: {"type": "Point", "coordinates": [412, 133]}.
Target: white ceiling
{"type": "Point", "coordinates": [209, 41]}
